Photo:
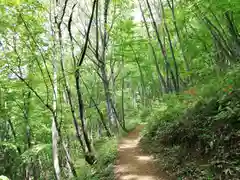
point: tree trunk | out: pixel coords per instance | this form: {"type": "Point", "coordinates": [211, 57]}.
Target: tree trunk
{"type": "Point", "coordinates": [55, 135]}
{"type": "Point", "coordinates": [141, 77]}
{"type": "Point", "coordinates": [102, 119]}
{"type": "Point", "coordinates": [176, 79]}
{"type": "Point", "coordinates": [162, 48]}
{"type": "Point", "coordinates": [171, 6]}
{"type": "Point", "coordinates": [90, 157]}
{"type": "Point", "coordinates": [163, 84]}
{"type": "Point", "coordinates": [111, 115]}
{"type": "Point", "coordinates": [72, 172]}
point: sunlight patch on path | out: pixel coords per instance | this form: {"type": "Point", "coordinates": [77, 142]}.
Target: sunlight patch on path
{"type": "Point", "coordinates": [144, 158]}
{"type": "Point", "coordinates": [138, 177]}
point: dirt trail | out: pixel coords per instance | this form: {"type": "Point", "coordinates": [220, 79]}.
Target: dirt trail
{"type": "Point", "coordinates": [132, 163]}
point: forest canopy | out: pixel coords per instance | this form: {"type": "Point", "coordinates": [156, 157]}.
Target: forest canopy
{"type": "Point", "coordinates": [77, 75]}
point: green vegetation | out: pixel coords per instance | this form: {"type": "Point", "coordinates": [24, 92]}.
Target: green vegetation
{"type": "Point", "coordinates": [106, 154]}
{"type": "Point", "coordinates": [197, 135]}
{"type": "Point", "coordinates": [75, 76]}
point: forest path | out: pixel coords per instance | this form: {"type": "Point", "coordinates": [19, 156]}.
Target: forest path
{"type": "Point", "coordinates": [132, 163]}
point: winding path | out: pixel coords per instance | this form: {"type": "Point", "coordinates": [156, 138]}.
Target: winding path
{"type": "Point", "coordinates": [132, 163]}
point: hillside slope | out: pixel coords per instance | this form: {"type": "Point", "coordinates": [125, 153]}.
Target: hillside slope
{"type": "Point", "coordinates": [201, 140]}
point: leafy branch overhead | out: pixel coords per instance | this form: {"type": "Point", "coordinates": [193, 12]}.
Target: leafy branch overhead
{"type": "Point", "coordinates": [77, 75]}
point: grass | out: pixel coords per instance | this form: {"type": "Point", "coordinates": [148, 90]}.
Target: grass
{"type": "Point", "coordinates": [106, 149]}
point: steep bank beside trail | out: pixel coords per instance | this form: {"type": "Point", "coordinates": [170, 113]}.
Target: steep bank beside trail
{"type": "Point", "coordinates": [202, 142]}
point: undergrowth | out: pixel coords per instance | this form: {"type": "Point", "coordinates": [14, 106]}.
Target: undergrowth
{"type": "Point", "coordinates": [103, 169]}
{"type": "Point", "coordinates": [106, 150]}
{"type": "Point", "coordinates": [196, 134]}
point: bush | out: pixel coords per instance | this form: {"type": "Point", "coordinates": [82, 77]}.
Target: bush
{"type": "Point", "coordinates": [196, 134]}
{"type": "Point", "coordinates": [3, 178]}
{"type": "Point", "coordinates": [103, 170]}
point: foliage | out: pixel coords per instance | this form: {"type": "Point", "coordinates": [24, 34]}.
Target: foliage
{"type": "Point", "coordinates": [74, 75]}
{"type": "Point", "coordinates": [202, 141]}
{"type": "Point", "coordinates": [103, 170]}
{"type": "Point", "coordinates": [3, 178]}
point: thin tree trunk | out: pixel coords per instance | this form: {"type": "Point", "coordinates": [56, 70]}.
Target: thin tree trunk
{"type": "Point", "coordinates": [28, 129]}
{"type": "Point", "coordinates": [90, 154]}
{"type": "Point", "coordinates": [163, 84]}
{"type": "Point", "coordinates": [141, 76]}
{"type": "Point", "coordinates": [102, 119]}
{"type": "Point", "coordinates": [172, 7]}
{"type": "Point", "coordinates": [55, 139]}
{"type": "Point", "coordinates": [68, 92]}
{"type": "Point", "coordinates": [123, 112]}
{"type": "Point", "coordinates": [55, 135]}
{"type": "Point", "coordinates": [111, 115]}
{"type": "Point", "coordinates": [72, 171]}
{"type": "Point", "coordinates": [176, 81]}
{"type": "Point", "coordinates": [163, 50]}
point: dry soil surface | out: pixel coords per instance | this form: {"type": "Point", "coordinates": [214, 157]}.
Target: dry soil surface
{"type": "Point", "coordinates": [132, 163]}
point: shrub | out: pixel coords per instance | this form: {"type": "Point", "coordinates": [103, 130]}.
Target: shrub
{"type": "Point", "coordinates": [196, 134]}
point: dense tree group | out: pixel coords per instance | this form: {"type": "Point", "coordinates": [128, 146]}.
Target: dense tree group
{"type": "Point", "coordinates": [73, 73]}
